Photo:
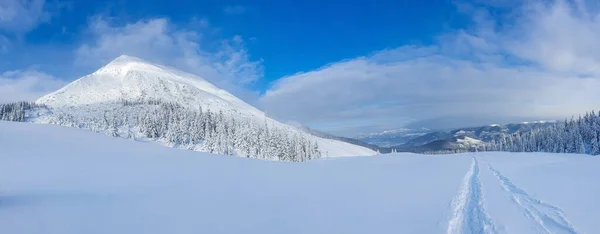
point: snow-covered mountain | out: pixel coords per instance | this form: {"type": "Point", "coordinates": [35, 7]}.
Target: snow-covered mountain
{"type": "Point", "coordinates": [133, 79]}
{"type": "Point", "coordinates": [135, 99]}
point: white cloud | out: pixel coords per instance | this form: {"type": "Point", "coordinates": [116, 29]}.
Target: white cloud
{"type": "Point", "coordinates": [20, 16]}
{"type": "Point", "coordinates": [561, 37]}
{"type": "Point", "coordinates": [224, 62]}
{"type": "Point", "coordinates": [539, 61]}
{"type": "Point", "coordinates": [26, 85]}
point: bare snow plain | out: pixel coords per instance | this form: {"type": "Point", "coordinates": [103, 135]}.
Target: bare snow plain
{"type": "Point", "coordinates": [60, 180]}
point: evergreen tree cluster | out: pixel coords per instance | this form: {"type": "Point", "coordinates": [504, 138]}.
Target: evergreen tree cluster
{"type": "Point", "coordinates": [201, 130]}
{"type": "Point", "coordinates": [16, 111]}
{"type": "Point", "coordinates": [580, 135]}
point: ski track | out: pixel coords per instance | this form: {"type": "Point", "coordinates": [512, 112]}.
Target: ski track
{"type": "Point", "coordinates": [469, 214]}
{"type": "Point", "coordinates": [548, 218]}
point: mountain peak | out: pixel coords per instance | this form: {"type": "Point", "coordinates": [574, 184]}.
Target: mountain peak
{"type": "Point", "coordinates": [125, 63]}
{"type": "Point", "coordinates": [126, 59]}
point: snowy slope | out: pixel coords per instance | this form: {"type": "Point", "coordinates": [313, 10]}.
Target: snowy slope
{"type": "Point", "coordinates": [75, 181]}
{"type": "Point", "coordinates": [132, 79]}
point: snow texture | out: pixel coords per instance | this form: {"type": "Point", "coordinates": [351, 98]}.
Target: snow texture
{"type": "Point", "coordinates": [64, 180]}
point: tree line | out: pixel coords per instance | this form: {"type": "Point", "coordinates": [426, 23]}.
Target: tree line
{"type": "Point", "coordinates": [576, 135]}
{"type": "Point", "coordinates": [176, 126]}
{"type": "Point", "coordinates": [17, 111]}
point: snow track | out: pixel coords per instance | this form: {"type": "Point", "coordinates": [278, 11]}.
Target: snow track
{"type": "Point", "coordinates": [469, 214]}
{"type": "Point", "coordinates": [547, 218]}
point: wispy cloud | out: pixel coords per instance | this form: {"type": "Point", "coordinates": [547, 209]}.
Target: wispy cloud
{"type": "Point", "coordinates": [26, 85]}
{"type": "Point", "coordinates": [538, 61]}
{"type": "Point", "coordinates": [17, 16]}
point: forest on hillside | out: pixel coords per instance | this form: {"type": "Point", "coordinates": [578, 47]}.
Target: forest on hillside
{"type": "Point", "coordinates": [201, 130]}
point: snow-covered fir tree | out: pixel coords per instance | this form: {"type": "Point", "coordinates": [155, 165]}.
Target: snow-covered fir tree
{"type": "Point", "coordinates": [577, 135]}
{"type": "Point", "coordinates": [16, 111]}
{"type": "Point", "coordinates": [176, 126]}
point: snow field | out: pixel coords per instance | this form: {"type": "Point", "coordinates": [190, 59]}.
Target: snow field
{"type": "Point", "coordinates": [63, 180]}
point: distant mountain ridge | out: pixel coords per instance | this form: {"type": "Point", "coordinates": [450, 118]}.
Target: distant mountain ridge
{"type": "Point", "coordinates": [393, 137]}
{"type": "Point", "coordinates": [460, 139]}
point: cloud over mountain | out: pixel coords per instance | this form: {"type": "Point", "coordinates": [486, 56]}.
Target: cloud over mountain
{"type": "Point", "coordinates": [536, 61]}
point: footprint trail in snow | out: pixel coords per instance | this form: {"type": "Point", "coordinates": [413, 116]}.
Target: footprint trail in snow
{"type": "Point", "coordinates": [469, 214]}
{"type": "Point", "coordinates": [547, 218]}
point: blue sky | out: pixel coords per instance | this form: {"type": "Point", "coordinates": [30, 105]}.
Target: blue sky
{"type": "Point", "coordinates": [288, 36]}
{"type": "Point", "coordinates": [344, 67]}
